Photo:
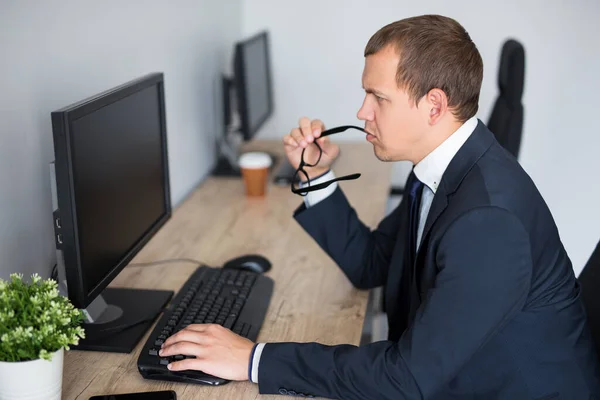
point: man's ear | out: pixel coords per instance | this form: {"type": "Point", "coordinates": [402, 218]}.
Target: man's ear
{"type": "Point", "coordinates": [436, 102]}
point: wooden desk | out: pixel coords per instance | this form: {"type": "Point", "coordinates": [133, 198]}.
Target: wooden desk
{"type": "Point", "coordinates": [312, 299]}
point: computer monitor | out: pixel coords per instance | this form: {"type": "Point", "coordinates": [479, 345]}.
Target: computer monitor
{"type": "Point", "coordinates": [247, 100]}
{"type": "Point", "coordinates": [111, 195]}
{"type": "Point", "coordinates": [253, 83]}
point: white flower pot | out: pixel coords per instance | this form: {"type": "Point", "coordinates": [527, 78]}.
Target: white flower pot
{"type": "Point", "coordinates": [32, 380]}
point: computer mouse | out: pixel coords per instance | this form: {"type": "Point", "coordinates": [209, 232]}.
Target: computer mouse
{"type": "Point", "coordinates": [251, 262]}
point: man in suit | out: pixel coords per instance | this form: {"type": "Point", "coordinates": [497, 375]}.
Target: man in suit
{"type": "Point", "coordinates": [481, 296]}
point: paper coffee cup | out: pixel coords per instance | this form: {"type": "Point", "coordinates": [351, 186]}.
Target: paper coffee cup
{"type": "Point", "coordinates": [255, 170]}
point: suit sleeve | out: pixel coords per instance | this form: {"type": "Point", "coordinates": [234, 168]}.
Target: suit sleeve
{"type": "Point", "coordinates": [362, 254]}
{"type": "Point", "coordinates": [484, 266]}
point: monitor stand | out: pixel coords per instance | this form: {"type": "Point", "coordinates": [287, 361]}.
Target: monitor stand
{"type": "Point", "coordinates": [224, 167]}
{"type": "Point", "coordinates": [230, 140]}
{"type": "Point", "coordinates": [118, 319]}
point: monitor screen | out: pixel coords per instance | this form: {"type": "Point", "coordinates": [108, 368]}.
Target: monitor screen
{"type": "Point", "coordinates": [253, 81]}
{"type": "Point", "coordinates": [257, 85]}
{"type": "Point", "coordinates": [118, 180]}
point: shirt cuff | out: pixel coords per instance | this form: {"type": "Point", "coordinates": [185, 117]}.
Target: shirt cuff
{"type": "Point", "coordinates": [316, 196]}
{"type": "Point", "coordinates": [254, 361]}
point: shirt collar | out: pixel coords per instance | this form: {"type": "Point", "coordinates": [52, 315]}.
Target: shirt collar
{"type": "Point", "coordinates": [431, 169]}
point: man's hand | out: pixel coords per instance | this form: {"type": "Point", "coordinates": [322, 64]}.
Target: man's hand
{"type": "Point", "coordinates": [302, 138]}
{"type": "Point", "coordinates": [218, 351]}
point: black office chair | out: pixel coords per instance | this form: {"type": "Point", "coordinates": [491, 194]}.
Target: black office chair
{"type": "Point", "coordinates": [589, 281]}
{"type": "Point", "coordinates": [506, 120]}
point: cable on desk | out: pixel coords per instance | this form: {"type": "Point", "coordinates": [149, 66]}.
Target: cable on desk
{"type": "Point", "coordinates": [168, 261]}
{"type": "Point", "coordinates": [121, 328]}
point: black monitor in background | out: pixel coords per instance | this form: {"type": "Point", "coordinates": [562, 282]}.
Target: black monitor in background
{"type": "Point", "coordinates": [253, 83]}
{"type": "Point", "coordinates": [247, 99]}
{"type": "Point", "coordinates": [111, 195]}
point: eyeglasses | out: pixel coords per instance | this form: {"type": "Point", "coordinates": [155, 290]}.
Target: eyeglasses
{"type": "Point", "coordinates": [301, 176]}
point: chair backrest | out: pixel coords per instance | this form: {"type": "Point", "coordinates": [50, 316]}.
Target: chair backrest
{"type": "Point", "coordinates": [506, 120]}
{"type": "Point", "coordinates": [589, 281]}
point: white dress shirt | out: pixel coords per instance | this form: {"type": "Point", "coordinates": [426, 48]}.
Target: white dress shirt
{"type": "Point", "coordinates": [429, 171]}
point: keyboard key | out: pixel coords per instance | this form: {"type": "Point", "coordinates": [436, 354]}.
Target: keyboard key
{"type": "Point", "coordinates": [245, 330]}
{"type": "Point", "coordinates": [238, 328]}
{"type": "Point", "coordinates": [229, 322]}
{"type": "Point", "coordinates": [164, 361]}
{"type": "Point", "coordinates": [153, 352]}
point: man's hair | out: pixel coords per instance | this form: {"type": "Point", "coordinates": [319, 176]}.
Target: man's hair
{"type": "Point", "coordinates": [435, 52]}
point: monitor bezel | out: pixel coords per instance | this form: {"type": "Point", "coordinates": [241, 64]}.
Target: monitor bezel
{"type": "Point", "coordinates": [67, 211]}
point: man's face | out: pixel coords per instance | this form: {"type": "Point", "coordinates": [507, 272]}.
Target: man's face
{"type": "Point", "coordinates": [398, 126]}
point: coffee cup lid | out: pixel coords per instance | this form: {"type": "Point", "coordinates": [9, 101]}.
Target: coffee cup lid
{"type": "Point", "coordinates": [254, 160]}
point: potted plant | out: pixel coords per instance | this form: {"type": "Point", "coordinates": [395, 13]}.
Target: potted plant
{"type": "Point", "coordinates": [36, 325]}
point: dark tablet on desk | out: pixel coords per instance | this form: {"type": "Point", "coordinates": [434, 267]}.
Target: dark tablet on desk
{"type": "Point", "coordinates": [161, 395]}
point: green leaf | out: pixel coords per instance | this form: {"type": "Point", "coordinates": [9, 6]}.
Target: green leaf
{"type": "Point", "coordinates": [35, 320]}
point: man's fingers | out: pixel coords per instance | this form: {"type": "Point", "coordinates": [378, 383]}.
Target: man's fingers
{"type": "Point", "coordinates": [288, 140]}
{"type": "Point", "coordinates": [329, 148]}
{"type": "Point", "coordinates": [297, 135]}
{"type": "Point", "coordinates": [204, 327]}
{"type": "Point", "coordinates": [324, 141]}
{"type": "Point", "coordinates": [185, 335]}
{"type": "Point", "coordinates": [304, 123]}
{"type": "Point", "coordinates": [325, 144]}
{"type": "Point", "coordinates": [317, 126]}
{"type": "Point", "coordinates": [187, 364]}
{"type": "Point", "coordinates": [184, 348]}
{"type": "Point", "coordinates": [306, 129]}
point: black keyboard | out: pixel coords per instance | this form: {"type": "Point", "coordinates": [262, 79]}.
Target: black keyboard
{"type": "Point", "coordinates": [233, 298]}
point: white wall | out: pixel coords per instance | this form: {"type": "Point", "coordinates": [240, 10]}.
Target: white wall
{"type": "Point", "coordinates": [317, 48]}
{"type": "Point", "coordinates": [55, 53]}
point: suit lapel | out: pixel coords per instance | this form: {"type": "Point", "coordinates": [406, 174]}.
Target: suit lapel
{"type": "Point", "coordinates": [464, 160]}
{"type": "Point", "coordinates": [402, 297]}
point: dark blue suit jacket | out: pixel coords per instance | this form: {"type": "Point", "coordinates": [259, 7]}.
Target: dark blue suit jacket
{"type": "Point", "coordinates": [493, 313]}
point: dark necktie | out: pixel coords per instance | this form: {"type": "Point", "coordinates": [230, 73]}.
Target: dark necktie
{"type": "Point", "coordinates": [414, 203]}
{"type": "Point", "coordinates": [404, 296]}
{"type": "Point", "coordinates": [415, 188]}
